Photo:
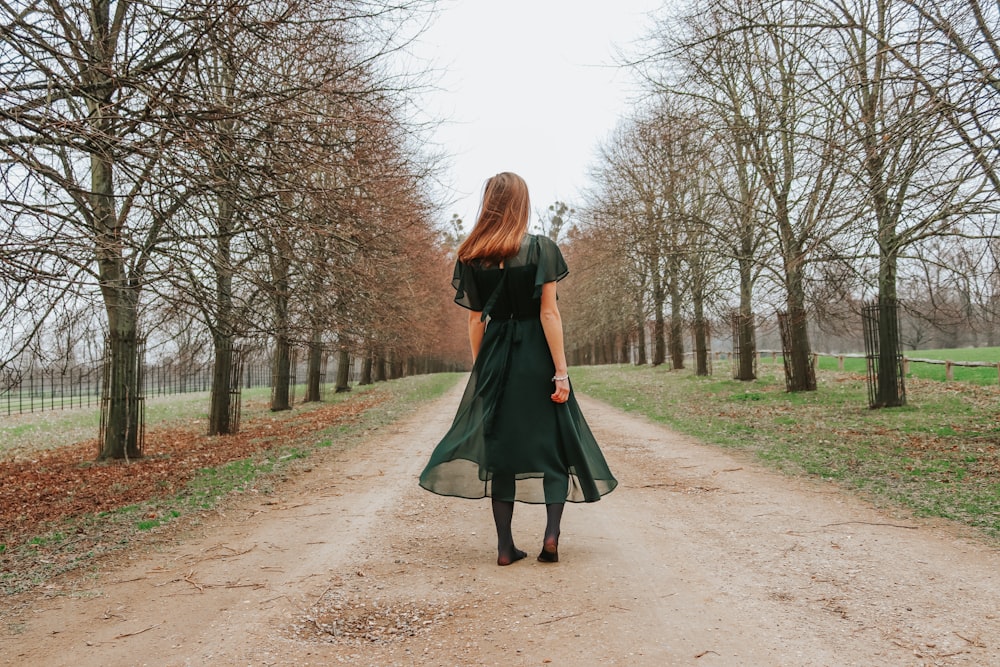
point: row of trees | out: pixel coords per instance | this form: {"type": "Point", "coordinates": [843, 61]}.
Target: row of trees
{"type": "Point", "coordinates": [803, 155]}
{"type": "Point", "coordinates": [213, 169]}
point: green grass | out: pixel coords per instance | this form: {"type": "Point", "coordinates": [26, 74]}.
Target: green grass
{"type": "Point", "coordinates": [990, 354]}
{"type": "Point", "coordinates": [982, 375]}
{"type": "Point", "coordinates": [939, 455]}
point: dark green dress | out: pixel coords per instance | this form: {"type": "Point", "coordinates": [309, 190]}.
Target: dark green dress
{"type": "Point", "coordinates": [509, 440]}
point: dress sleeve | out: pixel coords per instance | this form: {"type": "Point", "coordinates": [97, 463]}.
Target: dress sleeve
{"type": "Point", "coordinates": [551, 265]}
{"type": "Point", "coordinates": [466, 292]}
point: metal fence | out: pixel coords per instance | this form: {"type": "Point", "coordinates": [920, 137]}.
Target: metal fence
{"type": "Point", "coordinates": [81, 387]}
{"type": "Point", "coordinates": [886, 378]}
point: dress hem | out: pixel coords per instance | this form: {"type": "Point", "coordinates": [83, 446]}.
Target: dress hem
{"type": "Point", "coordinates": [581, 501]}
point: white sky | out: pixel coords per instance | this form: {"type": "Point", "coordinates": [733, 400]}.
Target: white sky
{"type": "Point", "coordinates": [529, 86]}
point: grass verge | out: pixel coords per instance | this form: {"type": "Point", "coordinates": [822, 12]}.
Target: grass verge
{"type": "Point", "coordinates": [939, 455]}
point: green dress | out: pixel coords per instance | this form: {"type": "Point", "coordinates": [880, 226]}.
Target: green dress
{"type": "Point", "coordinates": [509, 441]}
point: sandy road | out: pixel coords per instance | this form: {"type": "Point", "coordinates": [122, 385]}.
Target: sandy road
{"type": "Point", "coordinates": [698, 558]}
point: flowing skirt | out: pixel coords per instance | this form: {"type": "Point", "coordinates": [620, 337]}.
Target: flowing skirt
{"type": "Point", "coordinates": [508, 440]}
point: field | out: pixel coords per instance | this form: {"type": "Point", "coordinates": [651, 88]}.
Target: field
{"type": "Point", "coordinates": [984, 375]}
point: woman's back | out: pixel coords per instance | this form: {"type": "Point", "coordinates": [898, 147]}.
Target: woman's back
{"type": "Point", "coordinates": [516, 287]}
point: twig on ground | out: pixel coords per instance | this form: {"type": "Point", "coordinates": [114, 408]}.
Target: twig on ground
{"type": "Point", "coordinates": [255, 584]}
{"type": "Point", "coordinates": [233, 551]}
{"type": "Point", "coordinates": [950, 655]}
{"type": "Point", "coordinates": [870, 523]}
{"type": "Point", "coordinates": [559, 618]}
{"type": "Point", "coordinates": [978, 643]}
{"type": "Point", "coordinates": [139, 632]}
{"type": "Point", "coordinates": [187, 578]}
{"type": "Point", "coordinates": [274, 598]}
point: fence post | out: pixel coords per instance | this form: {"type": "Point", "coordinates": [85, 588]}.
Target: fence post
{"type": "Point", "coordinates": [949, 371]}
{"type": "Point", "coordinates": [840, 362]}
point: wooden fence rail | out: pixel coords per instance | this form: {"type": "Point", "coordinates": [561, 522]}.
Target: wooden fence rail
{"type": "Point", "coordinates": [949, 366]}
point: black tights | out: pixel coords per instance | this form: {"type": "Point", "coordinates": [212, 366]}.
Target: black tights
{"type": "Point", "coordinates": [503, 516]}
{"type": "Point", "coordinates": [553, 517]}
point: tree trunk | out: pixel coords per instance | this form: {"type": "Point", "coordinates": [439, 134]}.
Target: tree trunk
{"type": "Point", "coordinates": [120, 438]}
{"type": "Point", "coordinates": [123, 412]}
{"type": "Point", "coordinates": [659, 334]}
{"type": "Point", "coordinates": [280, 264]}
{"type": "Point", "coordinates": [747, 343]}
{"type": "Point", "coordinates": [221, 396]}
{"type": "Point", "coordinates": [380, 374]}
{"type": "Point", "coordinates": [280, 397]}
{"type": "Point", "coordinates": [800, 352]}
{"type": "Point", "coordinates": [220, 399]}
{"type": "Point", "coordinates": [640, 359]}
{"type": "Point", "coordinates": [676, 324]}
{"type": "Point", "coordinates": [343, 370]}
{"type": "Point", "coordinates": [223, 337]}
{"type": "Point", "coordinates": [366, 368]}
{"type": "Point", "coordinates": [890, 393]}
{"type": "Point", "coordinates": [314, 368]}
{"type": "Point", "coordinates": [800, 355]}
{"type": "Point", "coordinates": [700, 337]}
{"type": "Point", "coordinates": [676, 341]}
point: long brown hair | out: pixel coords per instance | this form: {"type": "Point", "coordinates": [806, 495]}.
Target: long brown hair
{"type": "Point", "coordinates": [502, 222]}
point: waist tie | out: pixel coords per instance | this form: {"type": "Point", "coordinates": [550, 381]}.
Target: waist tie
{"type": "Point", "coordinates": [508, 337]}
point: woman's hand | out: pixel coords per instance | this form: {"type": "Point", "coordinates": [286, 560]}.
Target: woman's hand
{"type": "Point", "coordinates": [561, 394]}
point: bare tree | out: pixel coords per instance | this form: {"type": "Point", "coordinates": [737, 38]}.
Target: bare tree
{"type": "Point", "coordinates": [633, 173]}
{"type": "Point", "coordinates": [697, 62]}
{"type": "Point", "coordinates": [85, 122]}
{"type": "Point", "coordinates": [911, 181]}
{"type": "Point", "coordinates": [601, 297]}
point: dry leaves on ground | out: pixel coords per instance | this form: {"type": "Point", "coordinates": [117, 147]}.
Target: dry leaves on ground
{"type": "Point", "coordinates": [43, 489]}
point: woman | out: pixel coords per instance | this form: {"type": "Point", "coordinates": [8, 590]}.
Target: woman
{"type": "Point", "coordinates": [519, 434]}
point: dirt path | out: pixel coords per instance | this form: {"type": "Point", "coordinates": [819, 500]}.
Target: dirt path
{"type": "Point", "coordinates": [699, 558]}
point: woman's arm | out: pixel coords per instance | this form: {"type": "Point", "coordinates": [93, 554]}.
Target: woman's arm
{"type": "Point", "coordinates": [552, 326]}
{"type": "Point", "coordinates": [476, 329]}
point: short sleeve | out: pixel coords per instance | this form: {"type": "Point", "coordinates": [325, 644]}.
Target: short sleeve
{"type": "Point", "coordinates": [466, 291]}
{"type": "Point", "coordinates": [551, 265]}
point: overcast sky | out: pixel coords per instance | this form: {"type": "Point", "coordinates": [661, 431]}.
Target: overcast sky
{"type": "Point", "coordinates": [529, 86]}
